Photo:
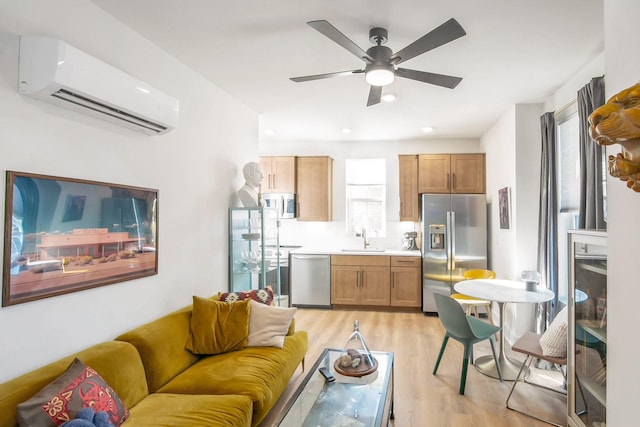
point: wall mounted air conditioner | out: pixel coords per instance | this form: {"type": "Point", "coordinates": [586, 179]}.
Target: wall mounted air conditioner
{"type": "Point", "coordinates": [54, 71]}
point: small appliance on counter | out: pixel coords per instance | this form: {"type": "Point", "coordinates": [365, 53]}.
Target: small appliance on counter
{"type": "Point", "coordinates": [409, 241]}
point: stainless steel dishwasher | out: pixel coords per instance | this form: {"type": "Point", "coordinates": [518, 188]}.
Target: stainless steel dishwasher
{"type": "Point", "coordinates": [310, 284]}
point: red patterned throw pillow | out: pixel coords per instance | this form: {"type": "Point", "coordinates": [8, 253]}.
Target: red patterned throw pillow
{"type": "Point", "coordinates": [79, 387]}
{"type": "Point", "coordinates": [264, 296]}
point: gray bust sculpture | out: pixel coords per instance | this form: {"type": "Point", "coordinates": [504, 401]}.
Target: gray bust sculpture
{"type": "Point", "coordinates": [248, 193]}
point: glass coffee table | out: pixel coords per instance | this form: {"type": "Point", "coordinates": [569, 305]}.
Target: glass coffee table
{"type": "Point", "coordinates": [348, 401]}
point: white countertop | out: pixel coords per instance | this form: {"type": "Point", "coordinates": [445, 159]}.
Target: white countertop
{"type": "Point", "coordinates": [355, 251]}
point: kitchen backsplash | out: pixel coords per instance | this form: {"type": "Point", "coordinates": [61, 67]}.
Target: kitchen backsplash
{"type": "Point", "coordinates": [333, 235]}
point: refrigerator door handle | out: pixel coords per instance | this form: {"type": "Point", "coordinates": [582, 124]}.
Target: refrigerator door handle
{"type": "Point", "coordinates": [448, 241]}
{"type": "Point", "coordinates": [453, 240]}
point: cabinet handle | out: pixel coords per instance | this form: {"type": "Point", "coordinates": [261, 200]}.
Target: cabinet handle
{"type": "Point", "coordinates": [362, 279]}
{"type": "Point", "coordinates": [448, 175]}
{"type": "Point", "coordinates": [393, 279]}
{"type": "Point", "coordinates": [275, 181]}
{"type": "Point", "coordinates": [358, 279]}
{"type": "Point", "coordinates": [404, 260]}
{"type": "Point", "coordinates": [454, 181]}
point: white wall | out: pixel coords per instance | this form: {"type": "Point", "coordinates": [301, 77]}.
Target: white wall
{"type": "Point", "coordinates": [513, 160]}
{"type": "Point", "coordinates": [499, 144]}
{"type": "Point", "coordinates": [333, 235]}
{"type": "Point", "coordinates": [622, 45]}
{"type": "Point", "coordinates": [195, 168]}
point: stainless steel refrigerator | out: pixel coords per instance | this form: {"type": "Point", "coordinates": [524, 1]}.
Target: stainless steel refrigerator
{"type": "Point", "coordinates": [454, 240]}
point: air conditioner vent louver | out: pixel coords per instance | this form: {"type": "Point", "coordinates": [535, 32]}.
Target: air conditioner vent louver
{"type": "Point", "coordinates": [105, 109]}
{"type": "Point", "coordinates": [56, 72]}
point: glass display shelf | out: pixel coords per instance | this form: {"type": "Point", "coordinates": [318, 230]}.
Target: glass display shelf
{"type": "Point", "coordinates": [587, 361]}
{"type": "Point", "coordinates": [253, 263]}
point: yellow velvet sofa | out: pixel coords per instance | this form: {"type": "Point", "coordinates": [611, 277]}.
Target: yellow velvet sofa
{"type": "Point", "coordinates": [163, 384]}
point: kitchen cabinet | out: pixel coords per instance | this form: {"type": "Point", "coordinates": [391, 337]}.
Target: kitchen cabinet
{"type": "Point", "coordinates": [315, 188]}
{"type": "Point", "coordinates": [406, 281]}
{"type": "Point", "coordinates": [360, 280]}
{"type": "Point", "coordinates": [587, 355]}
{"type": "Point", "coordinates": [252, 231]}
{"type": "Point", "coordinates": [409, 195]}
{"type": "Point", "coordinates": [279, 174]}
{"type": "Point", "coordinates": [451, 173]}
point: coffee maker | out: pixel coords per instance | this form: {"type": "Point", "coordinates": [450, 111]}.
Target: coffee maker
{"type": "Point", "coordinates": [409, 241]}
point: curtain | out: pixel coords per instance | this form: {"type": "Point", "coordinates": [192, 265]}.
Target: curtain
{"type": "Point", "coordinates": [590, 97]}
{"type": "Point", "coordinates": [547, 219]}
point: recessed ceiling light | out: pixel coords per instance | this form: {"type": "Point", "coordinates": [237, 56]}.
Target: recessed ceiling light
{"type": "Point", "coordinates": [389, 97]}
{"type": "Point", "coordinates": [269, 132]}
{"type": "Point", "coordinates": [346, 131]}
{"type": "Point", "coordinates": [427, 129]}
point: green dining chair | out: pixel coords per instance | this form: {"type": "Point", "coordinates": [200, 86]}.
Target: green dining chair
{"type": "Point", "coordinates": [464, 329]}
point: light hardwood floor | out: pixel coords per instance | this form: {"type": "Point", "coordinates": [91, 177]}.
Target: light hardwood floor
{"type": "Point", "coordinates": [421, 398]}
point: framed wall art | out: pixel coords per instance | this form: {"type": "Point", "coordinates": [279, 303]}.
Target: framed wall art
{"type": "Point", "coordinates": [505, 208]}
{"type": "Point", "coordinates": [64, 235]}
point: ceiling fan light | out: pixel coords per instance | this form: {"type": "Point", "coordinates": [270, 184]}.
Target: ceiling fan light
{"type": "Point", "coordinates": [379, 77]}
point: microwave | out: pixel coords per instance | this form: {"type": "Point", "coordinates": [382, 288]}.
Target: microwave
{"type": "Point", "coordinates": [285, 203]}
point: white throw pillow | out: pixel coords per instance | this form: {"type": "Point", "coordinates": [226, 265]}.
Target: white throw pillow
{"type": "Point", "coordinates": [554, 339]}
{"type": "Point", "coordinates": [268, 325]}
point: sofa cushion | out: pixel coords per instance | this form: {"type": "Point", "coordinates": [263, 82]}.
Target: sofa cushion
{"type": "Point", "coordinates": [170, 410]}
{"type": "Point", "coordinates": [268, 325]}
{"type": "Point", "coordinates": [80, 386]}
{"type": "Point", "coordinates": [218, 327]}
{"type": "Point", "coordinates": [262, 373]}
{"type": "Point", "coordinates": [161, 344]}
{"type": "Point", "coordinates": [117, 362]}
{"type": "Point", "coordinates": [265, 296]}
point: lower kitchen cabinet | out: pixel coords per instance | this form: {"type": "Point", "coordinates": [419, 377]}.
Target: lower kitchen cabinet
{"type": "Point", "coordinates": [357, 282]}
{"type": "Point", "coordinates": [406, 281]}
{"type": "Point", "coordinates": [375, 281]}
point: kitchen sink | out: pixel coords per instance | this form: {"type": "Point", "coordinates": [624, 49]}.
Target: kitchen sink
{"type": "Point", "coordinates": [363, 250]}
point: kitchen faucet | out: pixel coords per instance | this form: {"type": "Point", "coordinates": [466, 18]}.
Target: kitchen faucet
{"type": "Point", "coordinates": [364, 237]}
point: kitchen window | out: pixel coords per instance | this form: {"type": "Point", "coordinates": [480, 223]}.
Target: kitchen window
{"type": "Point", "coordinates": [366, 192]}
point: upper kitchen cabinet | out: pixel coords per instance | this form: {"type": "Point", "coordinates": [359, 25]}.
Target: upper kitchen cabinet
{"type": "Point", "coordinates": [451, 173]}
{"type": "Point", "coordinates": [315, 188]}
{"type": "Point", "coordinates": [279, 174]}
{"type": "Point", "coordinates": [409, 195]}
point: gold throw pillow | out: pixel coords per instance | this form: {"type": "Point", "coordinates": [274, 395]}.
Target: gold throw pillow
{"type": "Point", "coordinates": [218, 327]}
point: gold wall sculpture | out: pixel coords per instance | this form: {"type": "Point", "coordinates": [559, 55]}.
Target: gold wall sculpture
{"type": "Point", "coordinates": [618, 122]}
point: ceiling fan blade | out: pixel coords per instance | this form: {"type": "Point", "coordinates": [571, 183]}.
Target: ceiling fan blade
{"type": "Point", "coordinates": [432, 78]}
{"type": "Point", "coordinates": [445, 33]}
{"type": "Point", "coordinates": [325, 76]}
{"type": "Point", "coordinates": [334, 34]}
{"type": "Point", "coordinates": [375, 93]}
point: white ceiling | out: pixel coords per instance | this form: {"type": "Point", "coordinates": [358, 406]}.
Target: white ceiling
{"type": "Point", "coordinates": [515, 51]}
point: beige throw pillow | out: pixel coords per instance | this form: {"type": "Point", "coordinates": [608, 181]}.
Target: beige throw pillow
{"type": "Point", "coordinates": [268, 325]}
{"type": "Point", "coordinates": [554, 339]}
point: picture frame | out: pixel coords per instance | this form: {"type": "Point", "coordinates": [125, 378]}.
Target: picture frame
{"type": "Point", "coordinates": [65, 235]}
{"type": "Point", "coordinates": [504, 208]}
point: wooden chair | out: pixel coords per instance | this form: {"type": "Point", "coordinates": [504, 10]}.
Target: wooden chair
{"type": "Point", "coordinates": [470, 303]}
{"type": "Point", "coordinates": [529, 344]}
{"type": "Point", "coordinates": [464, 329]}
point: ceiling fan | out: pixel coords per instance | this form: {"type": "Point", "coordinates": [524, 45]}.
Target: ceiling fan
{"type": "Point", "coordinates": [381, 64]}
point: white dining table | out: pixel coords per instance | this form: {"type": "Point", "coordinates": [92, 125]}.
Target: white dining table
{"type": "Point", "coordinates": [502, 292]}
